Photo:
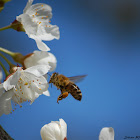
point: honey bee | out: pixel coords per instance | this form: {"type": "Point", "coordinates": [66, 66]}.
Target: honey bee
{"type": "Point", "coordinates": [67, 85]}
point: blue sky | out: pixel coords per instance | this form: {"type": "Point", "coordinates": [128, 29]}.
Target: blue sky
{"type": "Point", "coordinates": [97, 38]}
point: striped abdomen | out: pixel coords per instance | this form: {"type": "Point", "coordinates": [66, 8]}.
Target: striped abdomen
{"type": "Point", "coordinates": [74, 91]}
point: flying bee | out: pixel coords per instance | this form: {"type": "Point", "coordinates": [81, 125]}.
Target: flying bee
{"type": "Point", "coordinates": [67, 85]}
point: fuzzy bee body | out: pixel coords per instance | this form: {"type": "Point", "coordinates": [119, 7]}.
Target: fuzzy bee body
{"type": "Point", "coordinates": [66, 86]}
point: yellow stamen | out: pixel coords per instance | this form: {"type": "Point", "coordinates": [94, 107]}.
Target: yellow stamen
{"type": "Point", "coordinates": [42, 5]}
{"type": "Point", "coordinates": [26, 83]}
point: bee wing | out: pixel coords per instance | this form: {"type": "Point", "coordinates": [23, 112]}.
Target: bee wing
{"type": "Point", "coordinates": [76, 79]}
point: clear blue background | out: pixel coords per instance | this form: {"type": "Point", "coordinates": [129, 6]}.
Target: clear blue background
{"type": "Point", "coordinates": [98, 38]}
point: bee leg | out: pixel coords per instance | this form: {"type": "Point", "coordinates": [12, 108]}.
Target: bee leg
{"type": "Point", "coordinates": [62, 96]}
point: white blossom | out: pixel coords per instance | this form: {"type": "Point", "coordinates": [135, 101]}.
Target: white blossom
{"type": "Point", "coordinates": [23, 85]}
{"type": "Point", "coordinates": [5, 100]}
{"type": "Point", "coordinates": [56, 130]}
{"type": "Point", "coordinates": [41, 58]}
{"type": "Point", "coordinates": [36, 23]}
{"type": "Point", "coordinates": [107, 133]}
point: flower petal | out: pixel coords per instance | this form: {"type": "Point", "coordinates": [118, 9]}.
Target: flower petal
{"type": "Point", "coordinates": [63, 128]}
{"type": "Point", "coordinates": [46, 93]}
{"type": "Point", "coordinates": [107, 133]}
{"type": "Point", "coordinates": [38, 70]}
{"type": "Point", "coordinates": [42, 46]}
{"type": "Point", "coordinates": [29, 3]}
{"type": "Point", "coordinates": [12, 80]}
{"type": "Point", "coordinates": [50, 131]}
{"type": "Point", "coordinates": [48, 32]}
{"type": "Point", "coordinates": [40, 10]}
{"type": "Point", "coordinates": [41, 58]}
{"type": "Point", "coordinates": [1, 89]}
{"type": "Point", "coordinates": [29, 26]}
{"type": "Point", "coordinates": [5, 102]}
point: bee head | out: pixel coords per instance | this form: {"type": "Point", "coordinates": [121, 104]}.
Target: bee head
{"type": "Point", "coordinates": [53, 77]}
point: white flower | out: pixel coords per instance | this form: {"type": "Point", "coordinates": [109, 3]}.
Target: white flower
{"type": "Point", "coordinates": [56, 130]}
{"type": "Point", "coordinates": [36, 22]}
{"type": "Point", "coordinates": [107, 133]}
{"type": "Point", "coordinates": [31, 84]}
{"type": "Point", "coordinates": [5, 100]}
{"type": "Point", "coordinates": [41, 58]}
{"type": "Point", "coordinates": [23, 85]}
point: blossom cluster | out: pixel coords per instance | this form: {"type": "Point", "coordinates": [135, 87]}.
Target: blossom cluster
{"type": "Point", "coordinates": [29, 81]}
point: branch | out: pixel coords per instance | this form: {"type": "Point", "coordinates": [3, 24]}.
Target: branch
{"type": "Point", "coordinates": [4, 135]}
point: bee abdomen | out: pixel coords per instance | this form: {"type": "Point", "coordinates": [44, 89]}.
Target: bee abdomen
{"type": "Point", "coordinates": [75, 91]}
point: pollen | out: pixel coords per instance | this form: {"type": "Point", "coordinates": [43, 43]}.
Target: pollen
{"type": "Point", "coordinates": [37, 79]}
{"type": "Point", "coordinates": [13, 110]}
{"type": "Point", "coordinates": [39, 88]}
{"type": "Point", "coordinates": [22, 92]}
{"type": "Point", "coordinates": [36, 13]}
{"type": "Point", "coordinates": [42, 17]}
{"type": "Point", "coordinates": [49, 21]}
{"type": "Point", "coordinates": [20, 87]}
{"type": "Point", "coordinates": [36, 9]}
{"type": "Point", "coordinates": [28, 86]}
{"type": "Point", "coordinates": [46, 26]}
{"type": "Point", "coordinates": [33, 15]}
{"type": "Point", "coordinates": [46, 16]}
{"type": "Point", "coordinates": [16, 89]}
{"type": "Point", "coordinates": [26, 83]}
{"type": "Point", "coordinates": [20, 106]}
{"type": "Point", "coordinates": [33, 80]}
{"type": "Point", "coordinates": [42, 5]}
{"type": "Point", "coordinates": [39, 83]}
{"type": "Point", "coordinates": [39, 22]}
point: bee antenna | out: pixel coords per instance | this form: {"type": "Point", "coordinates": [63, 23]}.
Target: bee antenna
{"type": "Point", "coordinates": [49, 74]}
{"type": "Point", "coordinates": [51, 85]}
